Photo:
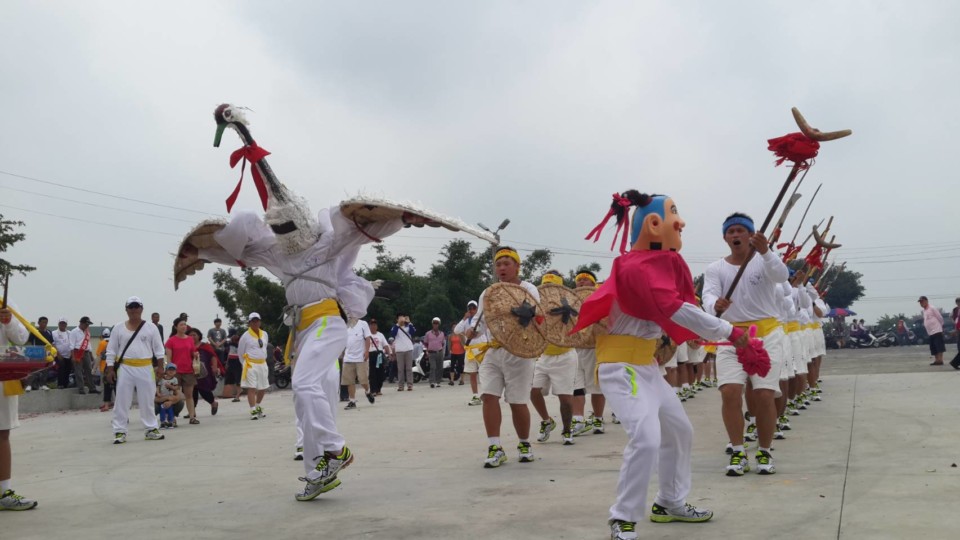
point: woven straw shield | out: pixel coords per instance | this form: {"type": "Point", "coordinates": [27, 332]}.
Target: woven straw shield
{"type": "Point", "coordinates": [561, 309]}
{"type": "Point", "coordinates": [511, 314]}
{"type": "Point", "coordinates": [587, 338]}
{"type": "Point", "coordinates": [666, 348]}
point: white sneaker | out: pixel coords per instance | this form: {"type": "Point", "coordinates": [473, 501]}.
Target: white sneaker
{"type": "Point", "coordinates": [495, 457]}
{"type": "Point", "coordinates": [765, 463]}
{"type": "Point", "coordinates": [11, 501]}
{"type": "Point", "coordinates": [119, 438]}
{"type": "Point", "coordinates": [27, 388]}
{"type": "Point", "coordinates": [622, 530]}
{"type": "Point", "coordinates": [615, 419]}
{"type": "Point", "coordinates": [44, 387]}
{"type": "Point", "coordinates": [567, 438]}
{"type": "Point", "coordinates": [739, 464]}
{"type": "Point", "coordinates": [298, 454]}
{"type": "Point", "coordinates": [153, 435]}
{"type": "Point", "coordinates": [475, 401]}
{"type": "Point", "coordinates": [526, 452]}
{"type": "Point", "coordinates": [546, 427]}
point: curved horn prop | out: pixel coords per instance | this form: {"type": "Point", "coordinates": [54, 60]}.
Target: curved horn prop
{"type": "Point", "coordinates": [823, 243]}
{"type": "Point", "coordinates": [815, 133]}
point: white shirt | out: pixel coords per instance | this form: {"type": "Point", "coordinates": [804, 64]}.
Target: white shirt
{"type": "Point", "coordinates": [326, 266]}
{"type": "Point", "coordinates": [378, 343]}
{"type": "Point", "coordinates": [147, 345]}
{"type": "Point", "coordinates": [356, 342]}
{"type": "Point", "coordinates": [249, 346]}
{"type": "Point", "coordinates": [688, 316]}
{"type": "Point", "coordinates": [482, 333]}
{"type": "Point", "coordinates": [756, 294]}
{"type": "Point", "coordinates": [61, 341]}
{"type": "Point", "coordinates": [402, 342]}
{"type": "Point", "coordinates": [467, 324]}
{"type": "Point", "coordinates": [14, 333]}
{"type": "Point", "coordinates": [76, 339]}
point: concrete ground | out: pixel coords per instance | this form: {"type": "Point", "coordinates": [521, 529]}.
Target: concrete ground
{"type": "Point", "coordinates": [876, 459]}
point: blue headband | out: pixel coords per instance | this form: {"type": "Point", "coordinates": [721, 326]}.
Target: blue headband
{"type": "Point", "coordinates": [654, 207]}
{"type": "Point", "coordinates": [737, 220]}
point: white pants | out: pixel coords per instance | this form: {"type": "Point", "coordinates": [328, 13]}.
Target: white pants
{"type": "Point", "coordinates": [586, 374]}
{"type": "Point", "coordinates": [659, 432]}
{"type": "Point", "coordinates": [143, 380]}
{"type": "Point", "coordinates": [316, 388]}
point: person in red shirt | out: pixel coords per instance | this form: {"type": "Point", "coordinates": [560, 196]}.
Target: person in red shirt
{"type": "Point", "coordinates": [181, 352]}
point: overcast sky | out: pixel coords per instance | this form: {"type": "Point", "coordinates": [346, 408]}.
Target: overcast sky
{"type": "Point", "coordinates": [533, 111]}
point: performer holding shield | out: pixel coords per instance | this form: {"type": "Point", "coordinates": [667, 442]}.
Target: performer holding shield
{"type": "Point", "coordinates": [12, 332]}
{"type": "Point", "coordinates": [649, 292]}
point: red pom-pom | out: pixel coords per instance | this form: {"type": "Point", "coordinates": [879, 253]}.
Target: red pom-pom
{"type": "Point", "coordinates": [795, 147]}
{"type": "Point", "coordinates": [754, 358]}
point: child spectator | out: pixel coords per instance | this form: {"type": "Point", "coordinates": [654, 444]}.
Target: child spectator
{"type": "Point", "coordinates": [168, 395]}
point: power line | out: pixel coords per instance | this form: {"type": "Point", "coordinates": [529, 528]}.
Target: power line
{"type": "Point", "coordinates": [48, 196]}
{"type": "Point", "coordinates": [88, 221]}
{"type": "Point", "coordinates": [102, 194]}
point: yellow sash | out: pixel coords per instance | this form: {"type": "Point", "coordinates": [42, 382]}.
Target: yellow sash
{"type": "Point", "coordinates": [764, 326]}
{"type": "Point", "coordinates": [792, 327]}
{"type": "Point", "coordinates": [553, 350]}
{"type": "Point", "coordinates": [308, 315]}
{"type": "Point", "coordinates": [710, 349]}
{"type": "Point", "coordinates": [614, 348]}
{"type": "Point", "coordinates": [477, 352]}
{"type": "Point", "coordinates": [138, 362]}
{"type": "Point", "coordinates": [248, 363]}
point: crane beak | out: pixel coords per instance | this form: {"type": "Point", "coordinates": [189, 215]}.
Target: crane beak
{"type": "Point", "coordinates": [219, 135]}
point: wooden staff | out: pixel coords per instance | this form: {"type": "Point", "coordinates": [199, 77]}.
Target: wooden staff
{"type": "Point", "coordinates": [6, 289]}
{"type": "Point", "coordinates": [804, 217]}
{"type": "Point", "coordinates": [811, 133]}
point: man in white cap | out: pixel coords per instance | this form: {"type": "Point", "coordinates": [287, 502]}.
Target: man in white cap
{"type": "Point", "coordinates": [471, 366]}
{"type": "Point", "coordinates": [435, 341]}
{"type": "Point", "coordinates": [61, 342]}
{"type": "Point", "coordinates": [133, 345]}
{"type": "Point", "coordinates": [252, 349]}
{"type": "Point", "coordinates": [82, 357]}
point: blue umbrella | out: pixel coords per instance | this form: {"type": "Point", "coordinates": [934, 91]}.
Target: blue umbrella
{"type": "Point", "coordinates": [840, 312]}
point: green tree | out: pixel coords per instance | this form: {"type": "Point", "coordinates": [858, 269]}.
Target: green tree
{"type": "Point", "coordinates": [535, 265]}
{"type": "Point", "coordinates": [413, 288]}
{"type": "Point", "coordinates": [8, 237]}
{"type": "Point", "coordinates": [572, 274]}
{"type": "Point", "coordinates": [238, 296]}
{"type": "Point", "coordinates": [887, 323]}
{"type": "Point", "coordinates": [844, 288]}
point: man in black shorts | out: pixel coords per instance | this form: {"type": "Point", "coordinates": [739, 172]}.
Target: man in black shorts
{"type": "Point", "coordinates": [933, 323]}
{"type": "Point", "coordinates": [231, 382]}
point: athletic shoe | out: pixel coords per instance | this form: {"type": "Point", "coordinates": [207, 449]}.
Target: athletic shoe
{"type": "Point", "coordinates": [526, 453]}
{"type": "Point", "coordinates": [314, 489]}
{"type": "Point", "coordinates": [802, 405]}
{"type": "Point", "coordinates": [622, 530]}
{"type": "Point", "coordinates": [681, 395]}
{"type": "Point", "coordinates": [690, 393]}
{"type": "Point", "coordinates": [474, 401]}
{"type": "Point", "coordinates": [546, 427]}
{"type": "Point", "coordinates": [298, 454]}
{"type": "Point", "coordinates": [336, 463]}
{"type": "Point", "coordinates": [371, 398]}
{"type": "Point", "coordinates": [351, 405]}
{"type": "Point", "coordinates": [746, 416]}
{"type": "Point", "coordinates": [567, 438]}
{"type": "Point", "coordinates": [589, 420]}
{"type": "Point", "coordinates": [495, 457]}
{"type": "Point", "coordinates": [579, 427]}
{"type": "Point", "coordinates": [778, 434]}
{"type": "Point", "coordinates": [792, 410]}
{"type": "Point", "coordinates": [260, 413]}
{"type": "Point", "coordinates": [739, 464]}
{"type": "Point", "coordinates": [706, 383]}
{"type": "Point", "coordinates": [153, 435]}
{"type": "Point", "coordinates": [11, 501]}
{"type": "Point", "coordinates": [784, 423]}
{"type": "Point", "coordinates": [687, 513]}
{"type": "Point", "coordinates": [254, 415]}
{"type": "Point", "coordinates": [715, 382]}
{"type": "Point", "coordinates": [598, 426]}
{"type": "Point", "coordinates": [765, 463]}
{"type": "Point", "coordinates": [28, 388]}
{"type": "Point", "coordinates": [751, 434]}
{"type": "Point", "coordinates": [729, 449]}
{"type": "Point", "coordinates": [615, 419]}
{"type": "Point", "coordinates": [119, 438]}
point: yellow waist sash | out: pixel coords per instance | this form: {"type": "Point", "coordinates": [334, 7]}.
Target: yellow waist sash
{"type": "Point", "coordinates": [477, 352]}
{"type": "Point", "coordinates": [553, 350]}
{"type": "Point", "coordinates": [628, 349]}
{"type": "Point", "coordinates": [308, 315]}
{"type": "Point", "coordinates": [248, 363]}
{"type": "Point", "coordinates": [792, 327]}
{"type": "Point", "coordinates": [137, 362]}
{"type": "Point", "coordinates": [764, 326]}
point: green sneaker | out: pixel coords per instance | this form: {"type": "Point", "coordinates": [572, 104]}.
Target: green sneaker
{"type": "Point", "coordinates": [739, 464]}
{"type": "Point", "coordinates": [495, 457]}
{"type": "Point", "coordinates": [622, 530]}
{"type": "Point", "coordinates": [546, 427]}
{"type": "Point", "coordinates": [11, 501]}
{"type": "Point", "coordinates": [751, 434]}
{"type": "Point", "coordinates": [687, 513]}
{"type": "Point", "coordinates": [597, 426]}
{"type": "Point", "coordinates": [765, 463]}
{"type": "Point", "coordinates": [526, 453]}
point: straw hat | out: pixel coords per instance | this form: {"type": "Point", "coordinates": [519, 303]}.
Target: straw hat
{"type": "Point", "coordinates": [513, 318]}
{"type": "Point", "coordinates": [561, 307]}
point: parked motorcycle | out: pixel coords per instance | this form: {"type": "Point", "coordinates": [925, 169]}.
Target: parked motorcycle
{"type": "Point", "coordinates": [282, 376]}
{"type": "Point", "coordinates": [887, 339]}
{"type": "Point", "coordinates": [421, 368]}
{"type": "Point", "coordinates": [862, 341]}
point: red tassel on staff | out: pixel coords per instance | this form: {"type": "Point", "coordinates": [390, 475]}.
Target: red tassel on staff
{"type": "Point", "coordinates": [795, 147]}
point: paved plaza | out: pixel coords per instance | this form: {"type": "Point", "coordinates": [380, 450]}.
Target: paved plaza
{"type": "Point", "coordinates": [876, 459]}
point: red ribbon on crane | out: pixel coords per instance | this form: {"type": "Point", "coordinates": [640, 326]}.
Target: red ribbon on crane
{"type": "Point", "coordinates": [252, 153]}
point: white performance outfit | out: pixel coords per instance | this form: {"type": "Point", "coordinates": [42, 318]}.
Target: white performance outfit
{"type": "Point", "coordinates": [786, 367]}
{"type": "Point", "coordinates": [252, 351]}
{"type": "Point", "coordinates": [470, 363]}
{"type": "Point", "coordinates": [556, 372]}
{"type": "Point", "coordinates": [586, 375]}
{"type": "Point", "coordinates": [12, 334]}
{"type": "Point", "coordinates": [755, 301]}
{"type": "Point", "coordinates": [501, 373]}
{"type": "Point", "coordinates": [135, 372]}
{"type": "Point", "coordinates": [660, 434]}
{"type": "Point", "coordinates": [313, 278]}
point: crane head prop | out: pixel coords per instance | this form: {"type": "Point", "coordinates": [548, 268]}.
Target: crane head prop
{"type": "Point", "coordinates": [287, 214]}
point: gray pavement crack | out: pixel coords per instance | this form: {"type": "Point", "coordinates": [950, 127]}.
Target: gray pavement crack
{"type": "Point", "coordinates": [846, 469]}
